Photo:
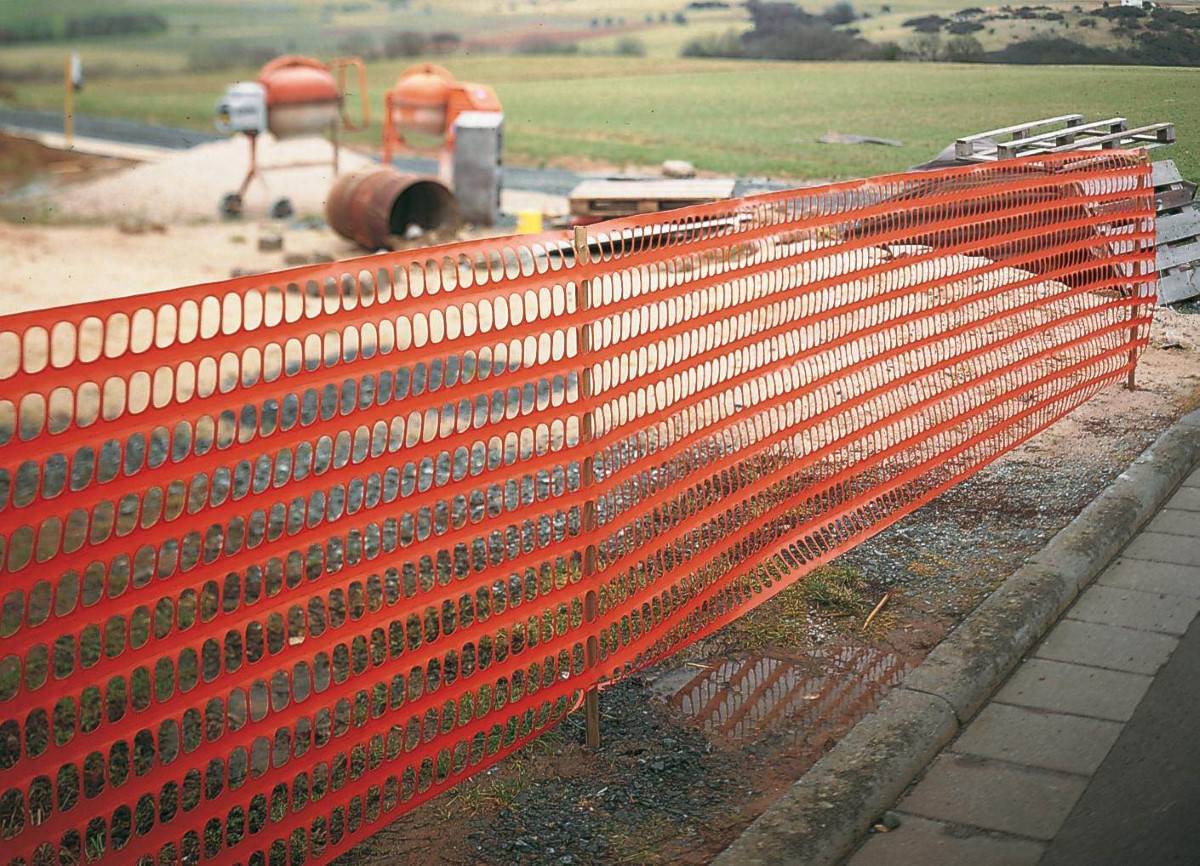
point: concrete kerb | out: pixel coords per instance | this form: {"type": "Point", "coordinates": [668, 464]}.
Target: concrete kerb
{"type": "Point", "coordinates": [821, 817]}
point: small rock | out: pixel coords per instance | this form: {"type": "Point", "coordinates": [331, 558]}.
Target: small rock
{"type": "Point", "coordinates": [678, 168]}
{"type": "Point", "coordinates": [413, 232]}
{"type": "Point", "coordinates": [140, 227]}
{"type": "Point", "coordinates": [269, 243]}
{"type": "Point", "coordinates": [307, 222]}
{"type": "Point", "coordinates": [890, 820]}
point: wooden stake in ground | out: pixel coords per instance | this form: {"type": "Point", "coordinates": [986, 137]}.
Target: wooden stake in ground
{"type": "Point", "coordinates": [69, 64]}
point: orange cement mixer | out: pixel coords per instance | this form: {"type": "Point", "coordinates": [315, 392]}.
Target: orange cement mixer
{"type": "Point", "coordinates": [294, 96]}
{"type": "Point", "coordinates": [424, 104]}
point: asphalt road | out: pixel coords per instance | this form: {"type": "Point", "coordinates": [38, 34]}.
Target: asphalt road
{"type": "Point", "coordinates": [1142, 807]}
{"type": "Point", "coordinates": [551, 181]}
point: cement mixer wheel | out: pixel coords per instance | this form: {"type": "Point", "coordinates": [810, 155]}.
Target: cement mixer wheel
{"type": "Point", "coordinates": [231, 206]}
{"type": "Point", "coordinates": [282, 209]}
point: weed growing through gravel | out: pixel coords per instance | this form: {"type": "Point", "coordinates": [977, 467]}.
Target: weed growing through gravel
{"type": "Point", "coordinates": [837, 591]}
{"type": "Point", "coordinates": [837, 596]}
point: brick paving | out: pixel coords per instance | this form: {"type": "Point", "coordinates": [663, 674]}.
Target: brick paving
{"type": "Point", "coordinates": [1004, 789]}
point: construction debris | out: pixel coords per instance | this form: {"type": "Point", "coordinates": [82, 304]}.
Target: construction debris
{"type": "Point", "coordinates": [603, 198]}
{"type": "Point", "coordinates": [678, 168]}
{"type": "Point", "coordinates": [850, 138]}
{"type": "Point", "coordinates": [380, 208]}
{"type": "Point", "coordinates": [1177, 220]}
{"type": "Point", "coordinates": [1177, 225]}
{"type": "Point", "coordinates": [1058, 134]}
{"type": "Point", "coordinates": [875, 610]}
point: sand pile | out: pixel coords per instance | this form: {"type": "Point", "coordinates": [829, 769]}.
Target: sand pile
{"type": "Point", "coordinates": [189, 186]}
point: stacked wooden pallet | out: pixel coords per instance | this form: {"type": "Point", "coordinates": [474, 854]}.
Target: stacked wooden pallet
{"type": "Point", "coordinates": [1177, 255]}
{"type": "Point", "coordinates": [605, 198]}
{"type": "Point", "coordinates": [1058, 134]}
{"type": "Point", "coordinates": [1178, 220]}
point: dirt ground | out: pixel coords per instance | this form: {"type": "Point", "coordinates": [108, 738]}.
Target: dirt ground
{"type": "Point", "coordinates": [696, 748]}
{"type": "Point", "coordinates": [55, 265]}
{"type": "Point", "coordinates": [23, 160]}
{"type": "Point", "coordinates": [76, 227]}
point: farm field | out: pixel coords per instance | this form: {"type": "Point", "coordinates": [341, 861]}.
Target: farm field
{"type": "Point", "coordinates": [743, 117]}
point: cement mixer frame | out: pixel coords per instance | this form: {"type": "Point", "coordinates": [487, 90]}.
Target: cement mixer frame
{"type": "Point", "coordinates": [427, 99]}
{"type": "Point", "coordinates": [232, 203]}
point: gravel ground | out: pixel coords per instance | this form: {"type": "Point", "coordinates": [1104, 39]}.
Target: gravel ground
{"type": "Point", "coordinates": [188, 186]}
{"type": "Point", "coordinates": [661, 790]}
{"type": "Point", "coordinates": [548, 181]}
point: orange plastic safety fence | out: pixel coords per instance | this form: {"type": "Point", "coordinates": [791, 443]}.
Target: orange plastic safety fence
{"type": "Point", "coordinates": [287, 555]}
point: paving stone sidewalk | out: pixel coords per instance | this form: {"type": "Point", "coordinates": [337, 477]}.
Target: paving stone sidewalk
{"type": "Point", "coordinates": [1003, 791]}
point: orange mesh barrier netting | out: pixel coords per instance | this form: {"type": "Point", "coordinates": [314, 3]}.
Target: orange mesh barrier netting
{"type": "Point", "coordinates": [287, 555]}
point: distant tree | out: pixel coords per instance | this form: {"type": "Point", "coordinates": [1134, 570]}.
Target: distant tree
{"type": "Point", "coordinates": [963, 49]}
{"type": "Point", "coordinates": [839, 13]}
{"type": "Point", "coordinates": [406, 43]}
{"type": "Point", "coordinates": [926, 46]}
{"type": "Point", "coordinates": [927, 23]}
{"type": "Point", "coordinates": [444, 41]}
{"type": "Point", "coordinates": [541, 45]}
{"type": "Point", "coordinates": [360, 44]}
{"type": "Point", "coordinates": [630, 46]}
{"type": "Point", "coordinates": [727, 44]}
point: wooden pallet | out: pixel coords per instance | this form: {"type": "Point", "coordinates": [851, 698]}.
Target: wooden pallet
{"type": "Point", "coordinates": [614, 197]}
{"type": "Point", "coordinates": [1067, 132]}
{"type": "Point", "coordinates": [1177, 225]}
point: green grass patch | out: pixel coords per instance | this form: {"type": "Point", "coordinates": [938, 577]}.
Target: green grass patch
{"type": "Point", "coordinates": [833, 593]}
{"type": "Point", "coordinates": [742, 117]}
{"type": "Point", "coordinates": [837, 591]}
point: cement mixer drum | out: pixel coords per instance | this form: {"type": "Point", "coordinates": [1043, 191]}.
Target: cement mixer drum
{"type": "Point", "coordinates": [302, 96]}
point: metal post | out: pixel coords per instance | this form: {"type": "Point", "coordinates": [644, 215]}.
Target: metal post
{"type": "Point", "coordinates": [1131, 379]}
{"type": "Point", "coordinates": [252, 138]}
{"type": "Point", "coordinates": [68, 103]}
{"type": "Point", "coordinates": [335, 140]}
{"type": "Point", "coordinates": [388, 129]}
{"type": "Point", "coordinates": [591, 699]}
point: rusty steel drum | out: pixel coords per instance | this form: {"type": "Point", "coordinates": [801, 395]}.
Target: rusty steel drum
{"type": "Point", "coordinates": [376, 207]}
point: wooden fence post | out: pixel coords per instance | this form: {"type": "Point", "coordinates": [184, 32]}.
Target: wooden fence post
{"type": "Point", "coordinates": [583, 302]}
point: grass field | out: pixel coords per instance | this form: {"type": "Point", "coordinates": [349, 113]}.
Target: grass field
{"type": "Point", "coordinates": [729, 116]}
{"type": "Point", "coordinates": [754, 118]}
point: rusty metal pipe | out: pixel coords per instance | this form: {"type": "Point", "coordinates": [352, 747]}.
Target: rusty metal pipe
{"type": "Point", "coordinates": [375, 207]}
